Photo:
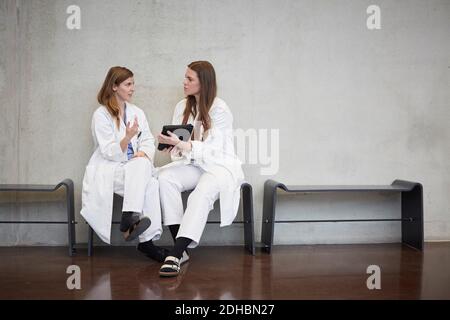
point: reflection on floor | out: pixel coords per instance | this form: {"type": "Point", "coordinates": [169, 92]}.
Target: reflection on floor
{"type": "Point", "coordinates": [290, 272]}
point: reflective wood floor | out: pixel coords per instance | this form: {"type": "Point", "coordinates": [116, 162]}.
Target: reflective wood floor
{"type": "Point", "coordinates": [290, 272]}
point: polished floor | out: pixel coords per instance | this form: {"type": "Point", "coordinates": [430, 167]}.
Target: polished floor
{"type": "Point", "coordinates": [290, 272]}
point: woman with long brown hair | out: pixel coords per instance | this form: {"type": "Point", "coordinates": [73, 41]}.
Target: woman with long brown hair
{"type": "Point", "coordinates": [207, 163]}
{"type": "Point", "coordinates": [122, 163]}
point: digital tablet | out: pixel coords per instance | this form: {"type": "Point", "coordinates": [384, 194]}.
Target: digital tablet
{"type": "Point", "coordinates": [183, 131]}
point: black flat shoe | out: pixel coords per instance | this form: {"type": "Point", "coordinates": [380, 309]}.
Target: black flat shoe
{"type": "Point", "coordinates": [128, 219]}
{"type": "Point", "coordinates": [137, 229]}
{"type": "Point", "coordinates": [153, 252]}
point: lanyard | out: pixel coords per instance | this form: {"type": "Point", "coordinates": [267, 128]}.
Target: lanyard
{"type": "Point", "coordinates": [125, 115]}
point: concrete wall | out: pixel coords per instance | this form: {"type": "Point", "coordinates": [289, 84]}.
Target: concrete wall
{"type": "Point", "coordinates": [351, 105]}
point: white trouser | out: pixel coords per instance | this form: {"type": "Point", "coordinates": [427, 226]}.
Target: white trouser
{"type": "Point", "coordinates": [173, 181]}
{"type": "Point", "coordinates": [133, 181]}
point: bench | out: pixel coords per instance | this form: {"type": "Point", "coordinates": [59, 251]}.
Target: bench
{"type": "Point", "coordinates": [247, 208]}
{"type": "Point", "coordinates": [411, 208]}
{"type": "Point", "coordinates": [68, 184]}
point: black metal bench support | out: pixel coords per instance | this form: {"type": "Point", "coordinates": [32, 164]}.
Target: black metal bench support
{"type": "Point", "coordinates": [412, 216]}
{"type": "Point", "coordinates": [68, 184]}
{"type": "Point", "coordinates": [411, 208]}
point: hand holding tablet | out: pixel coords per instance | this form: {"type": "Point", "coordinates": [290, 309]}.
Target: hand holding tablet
{"type": "Point", "coordinates": [183, 132]}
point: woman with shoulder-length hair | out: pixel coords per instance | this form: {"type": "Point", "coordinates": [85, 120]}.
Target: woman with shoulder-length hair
{"type": "Point", "coordinates": [122, 163]}
{"type": "Point", "coordinates": [206, 163]}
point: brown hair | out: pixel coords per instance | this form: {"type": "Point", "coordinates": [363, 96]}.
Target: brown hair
{"type": "Point", "coordinates": [106, 97]}
{"type": "Point", "coordinates": [208, 90]}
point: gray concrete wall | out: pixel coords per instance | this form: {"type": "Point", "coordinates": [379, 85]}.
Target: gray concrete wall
{"type": "Point", "coordinates": [351, 105]}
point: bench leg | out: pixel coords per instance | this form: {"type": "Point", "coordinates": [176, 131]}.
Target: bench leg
{"type": "Point", "coordinates": [268, 219]}
{"type": "Point", "coordinates": [90, 241]}
{"type": "Point", "coordinates": [247, 208]}
{"type": "Point", "coordinates": [70, 215]}
{"type": "Point", "coordinates": [412, 207]}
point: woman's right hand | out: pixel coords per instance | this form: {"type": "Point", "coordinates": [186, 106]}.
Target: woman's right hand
{"type": "Point", "coordinates": [131, 131]}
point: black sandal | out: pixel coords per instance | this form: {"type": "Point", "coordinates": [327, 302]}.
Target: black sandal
{"type": "Point", "coordinates": [136, 229]}
{"type": "Point", "coordinates": [170, 268]}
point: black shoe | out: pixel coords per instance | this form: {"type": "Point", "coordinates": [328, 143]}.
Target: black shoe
{"type": "Point", "coordinates": [132, 226]}
{"type": "Point", "coordinates": [128, 219]}
{"type": "Point", "coordinates": [154, 252]}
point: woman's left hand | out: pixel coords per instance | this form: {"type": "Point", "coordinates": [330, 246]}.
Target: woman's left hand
{"type": "Point", "coordinates": [171, 139]}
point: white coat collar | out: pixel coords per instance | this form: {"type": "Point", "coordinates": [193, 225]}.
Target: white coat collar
{"type": "Point", "coordinates": [130, 113]}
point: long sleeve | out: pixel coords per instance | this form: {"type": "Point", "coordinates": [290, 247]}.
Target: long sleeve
{"type": "Point", "coordinates": [104, 135]}
{"type": "Point", "coordinates": [146, 140]}
{"type": "Point", "coordinates": [177, 118]}
{"type": "Point", "coordinates": [214, 148]}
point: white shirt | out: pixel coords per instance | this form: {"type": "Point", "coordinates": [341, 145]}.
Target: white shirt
{"type": "Point", "coordinates": [198, 129]}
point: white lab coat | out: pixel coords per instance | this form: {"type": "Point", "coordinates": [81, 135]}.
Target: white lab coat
{"type": "Point", "coordinates": [216, 151]}
{"type": "Point", "coordinates": [98, 181]}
